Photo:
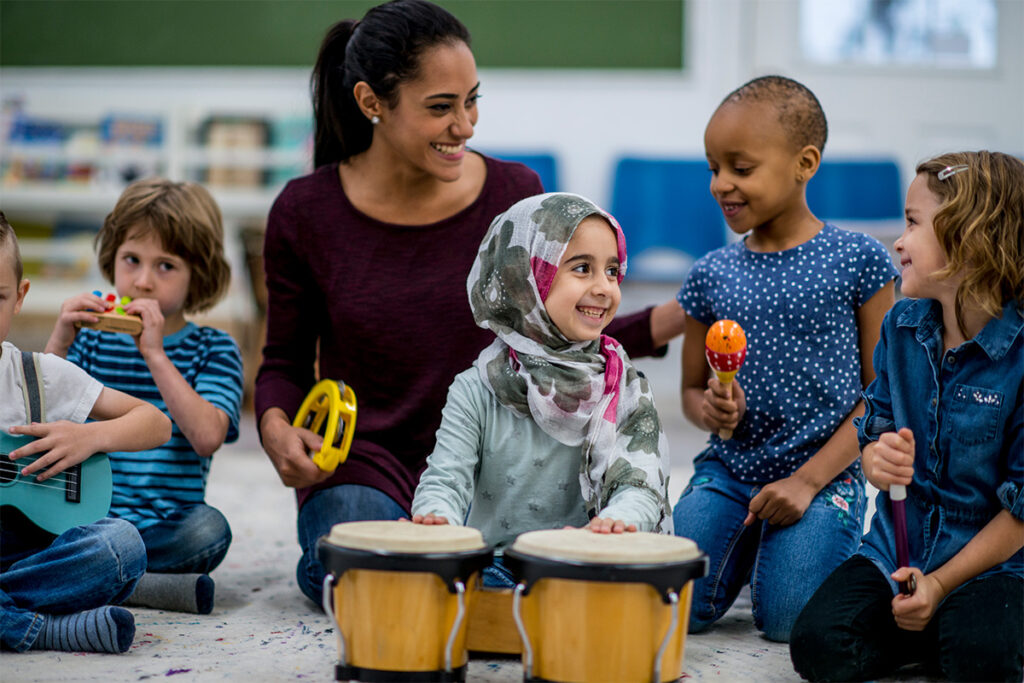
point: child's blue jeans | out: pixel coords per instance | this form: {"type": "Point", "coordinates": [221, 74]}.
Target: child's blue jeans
{"type": "Point", "coordinates": [783, 564]}
{"type": "Point", "coordinates": [324, 509]}
{"type": "Point", "coordinates": [192, 539]}
{"type": "Point", "coordinates": [84, 568]}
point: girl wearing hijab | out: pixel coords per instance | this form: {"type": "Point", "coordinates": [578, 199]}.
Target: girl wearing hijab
{"type": "Point", "coordinates": [552, 425]}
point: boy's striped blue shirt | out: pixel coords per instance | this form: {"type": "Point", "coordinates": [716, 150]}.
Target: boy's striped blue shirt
{"type": "Point", "coordinates": [150, 485]}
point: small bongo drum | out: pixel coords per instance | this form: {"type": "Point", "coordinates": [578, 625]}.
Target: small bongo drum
{"type": "Point", "coordinates": [603, 607]}
{"type": "Point", "coordinates": [401, 593]}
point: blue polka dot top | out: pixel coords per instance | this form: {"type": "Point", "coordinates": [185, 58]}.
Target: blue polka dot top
{"type": "Point", "coordinates": [802, 373]}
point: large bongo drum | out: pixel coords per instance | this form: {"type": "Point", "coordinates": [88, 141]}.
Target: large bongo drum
{"type": "Point", "coordinates": [400, 596]}
{"type": "Point", "coordinates": [603, 607]}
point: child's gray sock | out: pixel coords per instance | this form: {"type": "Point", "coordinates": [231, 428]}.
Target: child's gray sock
{"type": "Point", "coordinates": [175, 592]}
{"type": "Point", "coordinates": [104, 629]}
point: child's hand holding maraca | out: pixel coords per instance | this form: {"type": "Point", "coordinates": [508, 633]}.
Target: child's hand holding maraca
{"type": "Point", "coordinates": [724, 405]}
{"type": "Point", "coordinates": [725, 347]}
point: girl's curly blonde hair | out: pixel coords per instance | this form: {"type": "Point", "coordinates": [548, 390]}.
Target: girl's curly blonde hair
{"type": "Point", "coordinates": [980, 227]}
{"type": "Point", "coordinates": [188, 222]}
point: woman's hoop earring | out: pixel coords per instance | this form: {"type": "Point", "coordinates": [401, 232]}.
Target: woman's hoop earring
{"type": "Point", "coordinates": [375, 119]}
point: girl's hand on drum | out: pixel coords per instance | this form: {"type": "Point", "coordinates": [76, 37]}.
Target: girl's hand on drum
{"type": "Point", "coordinates": [429, 518]}
{"type": "Point", "coordinates": [607, 525]}
{"type": "Point", "coordinates": [288, 448]}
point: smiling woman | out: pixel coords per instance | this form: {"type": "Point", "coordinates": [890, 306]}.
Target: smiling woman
{"type": "Point", "coordinates": [366, 261]}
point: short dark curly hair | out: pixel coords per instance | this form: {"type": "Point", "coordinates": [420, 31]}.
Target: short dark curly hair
{"type": "Point", "coordinates": [188, 223]}
{"type": "Point", "coordinates": [800, 112]}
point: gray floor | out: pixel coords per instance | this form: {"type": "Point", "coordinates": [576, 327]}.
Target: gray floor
{"type": "Point", "coordinates": [263, 629]}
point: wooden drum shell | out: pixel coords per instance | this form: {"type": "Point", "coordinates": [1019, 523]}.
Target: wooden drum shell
{"type": "Point", "coordinates": [398, 620]}
{"type": "Point", "coordinates": [397, 590]}
{"type": "Point", "coordinates": [591, 631]}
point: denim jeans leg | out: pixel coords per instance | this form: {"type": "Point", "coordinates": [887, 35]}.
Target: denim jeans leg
{"type": "Point", "coordinates": [193, 539]}
{"type": "Point", "coordinates": [83, 568]}
{"type": "Point", "coordinates": [710, 512]}
{"type": "Point", "coordinates": [324, 509]}
{"type": "Point", "coordinates": [794, 560]}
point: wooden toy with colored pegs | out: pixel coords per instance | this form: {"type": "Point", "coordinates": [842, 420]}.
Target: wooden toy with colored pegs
{"type": "Point", "coordinates": [330, 411]}
{"type": "Point", "coordinates": [114, 319]}
{"type": "Point", "coordinates": [725, 347]}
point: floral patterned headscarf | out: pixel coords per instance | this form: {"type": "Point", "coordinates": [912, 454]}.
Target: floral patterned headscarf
{"type": "Point", "coordinates": [584, 393]}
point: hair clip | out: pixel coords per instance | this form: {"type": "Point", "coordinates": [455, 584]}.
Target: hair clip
{"type": "Point", "coordinates": [951, 170]}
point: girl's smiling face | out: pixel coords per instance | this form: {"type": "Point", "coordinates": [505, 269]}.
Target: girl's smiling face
{"type": "Point", "coordinates": [144, 270]}
{"type": "Point", "coordinates": [753, 167]}
{"type": "Point", "coordinates": [585, 294]}
{"type": "Point", "coordinates": [920, 253]}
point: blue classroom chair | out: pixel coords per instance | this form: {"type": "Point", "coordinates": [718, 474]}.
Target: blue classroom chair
{"type": "Point", "coordinates": [856, 189]}
{"type": "Point", "coordinates": [667, 214]}
{"type": "Point", "coordinates": [544, 164]}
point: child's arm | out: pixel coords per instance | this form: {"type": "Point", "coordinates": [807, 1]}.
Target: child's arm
{"type": "Point", "coordinates": [77, 309]}
{"type": "Point", "coordinates": [668, 321]}
{"type": "Point", "coordinates": [202, 423]}
{"type": "Point", "coordinates": [707, 403]}
{"type": "Point", "coordinates": [446, 488]}
{"type": "Point", "coordinates": [995, 543]}
{"type": "Point", "coordinates": [783, 502]}
{"type": "Point", "coordinates": [124, 423]}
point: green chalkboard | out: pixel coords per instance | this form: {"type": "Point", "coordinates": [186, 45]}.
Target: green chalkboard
{"type": "Point", "coordinates": [605, 34]}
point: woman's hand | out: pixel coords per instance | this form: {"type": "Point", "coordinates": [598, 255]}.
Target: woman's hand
{"type": "Point", "coordinates": [607, 525]}
{"type": "Point", "coordinates": [724, 405]}
{"type": "Point", "coordinates": [913, 612]}
{"type": "Point", "coordinates": [429, 518]}
{"type": "Point", "coordinates": [781, 502]}
{"type": "Point", "coordinates": [82, 308]}
{"type": "Point", "coordinates": [288, 448]}
{"type": "Point", "coordinates": [890, 460]}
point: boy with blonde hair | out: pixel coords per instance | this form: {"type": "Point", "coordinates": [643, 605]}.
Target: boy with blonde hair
{"type": "Point", "coordinates": [163, 246]}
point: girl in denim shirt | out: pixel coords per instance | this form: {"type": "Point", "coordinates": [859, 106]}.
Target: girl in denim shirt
{"type": "Point", "coordinates": [945, 418]}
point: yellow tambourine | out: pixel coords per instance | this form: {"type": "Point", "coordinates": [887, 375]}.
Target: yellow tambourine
{"type": "Point", "coordinates": [330, 411]}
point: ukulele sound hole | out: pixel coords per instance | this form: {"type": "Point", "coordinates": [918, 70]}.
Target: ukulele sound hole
{"type": "Point", "coordinates": [8, 469]}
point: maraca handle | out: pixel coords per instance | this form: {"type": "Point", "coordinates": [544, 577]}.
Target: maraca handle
{"type": "Point", "coordinates": [724, 434]}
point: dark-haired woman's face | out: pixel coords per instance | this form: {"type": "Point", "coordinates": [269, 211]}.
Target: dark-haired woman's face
{"type": "Point", "coordinates": [435, 114]}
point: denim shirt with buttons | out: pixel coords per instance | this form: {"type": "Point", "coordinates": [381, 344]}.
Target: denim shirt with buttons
{"type": "Point", "coordinates": [965, 408]}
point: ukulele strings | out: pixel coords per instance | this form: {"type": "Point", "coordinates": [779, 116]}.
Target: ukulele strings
{"type": "Point", "coordinates": [12, 467]}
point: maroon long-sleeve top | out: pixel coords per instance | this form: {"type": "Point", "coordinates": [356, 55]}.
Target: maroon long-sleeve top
{"type": "Point", "coordinates": [388, 305]}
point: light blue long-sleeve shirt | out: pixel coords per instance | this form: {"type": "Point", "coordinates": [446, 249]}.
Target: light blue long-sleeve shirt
{"type": "Point", "coordinates": [508, 475]}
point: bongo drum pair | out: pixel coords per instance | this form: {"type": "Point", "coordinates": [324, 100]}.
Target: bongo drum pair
{"type": "Point", "coordinates": [401, 592]}
{"type": "Point", "coordinates": [588, 607]}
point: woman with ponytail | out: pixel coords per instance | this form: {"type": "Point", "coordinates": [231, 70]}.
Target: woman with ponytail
{"type": "Point", "coordinates": [366, 260]}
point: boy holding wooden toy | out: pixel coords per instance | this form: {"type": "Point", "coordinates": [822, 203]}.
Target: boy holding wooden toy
{"type": "Point", "coordinates": [163, 247]}
{"type": "Point", "coordinates": [58, 584]}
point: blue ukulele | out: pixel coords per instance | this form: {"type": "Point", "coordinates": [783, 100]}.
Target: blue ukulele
{"type": "Point", "coordinates": [78, 495]}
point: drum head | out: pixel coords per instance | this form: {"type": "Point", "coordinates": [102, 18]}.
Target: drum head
{"type": "Point", "coordinates": [405, 537]}
{"type": "Point", "coordinates": [583, 545]}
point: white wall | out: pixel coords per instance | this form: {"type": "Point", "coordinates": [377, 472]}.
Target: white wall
{"type": "Point", "coordinates": [589, 118]}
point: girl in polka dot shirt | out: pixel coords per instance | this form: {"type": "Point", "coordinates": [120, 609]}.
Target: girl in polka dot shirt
{"type": "Point", "coordinates": [781, 503]}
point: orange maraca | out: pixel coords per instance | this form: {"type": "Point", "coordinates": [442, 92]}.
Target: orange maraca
{"type": "Point", "coordinates": [725, 347]}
